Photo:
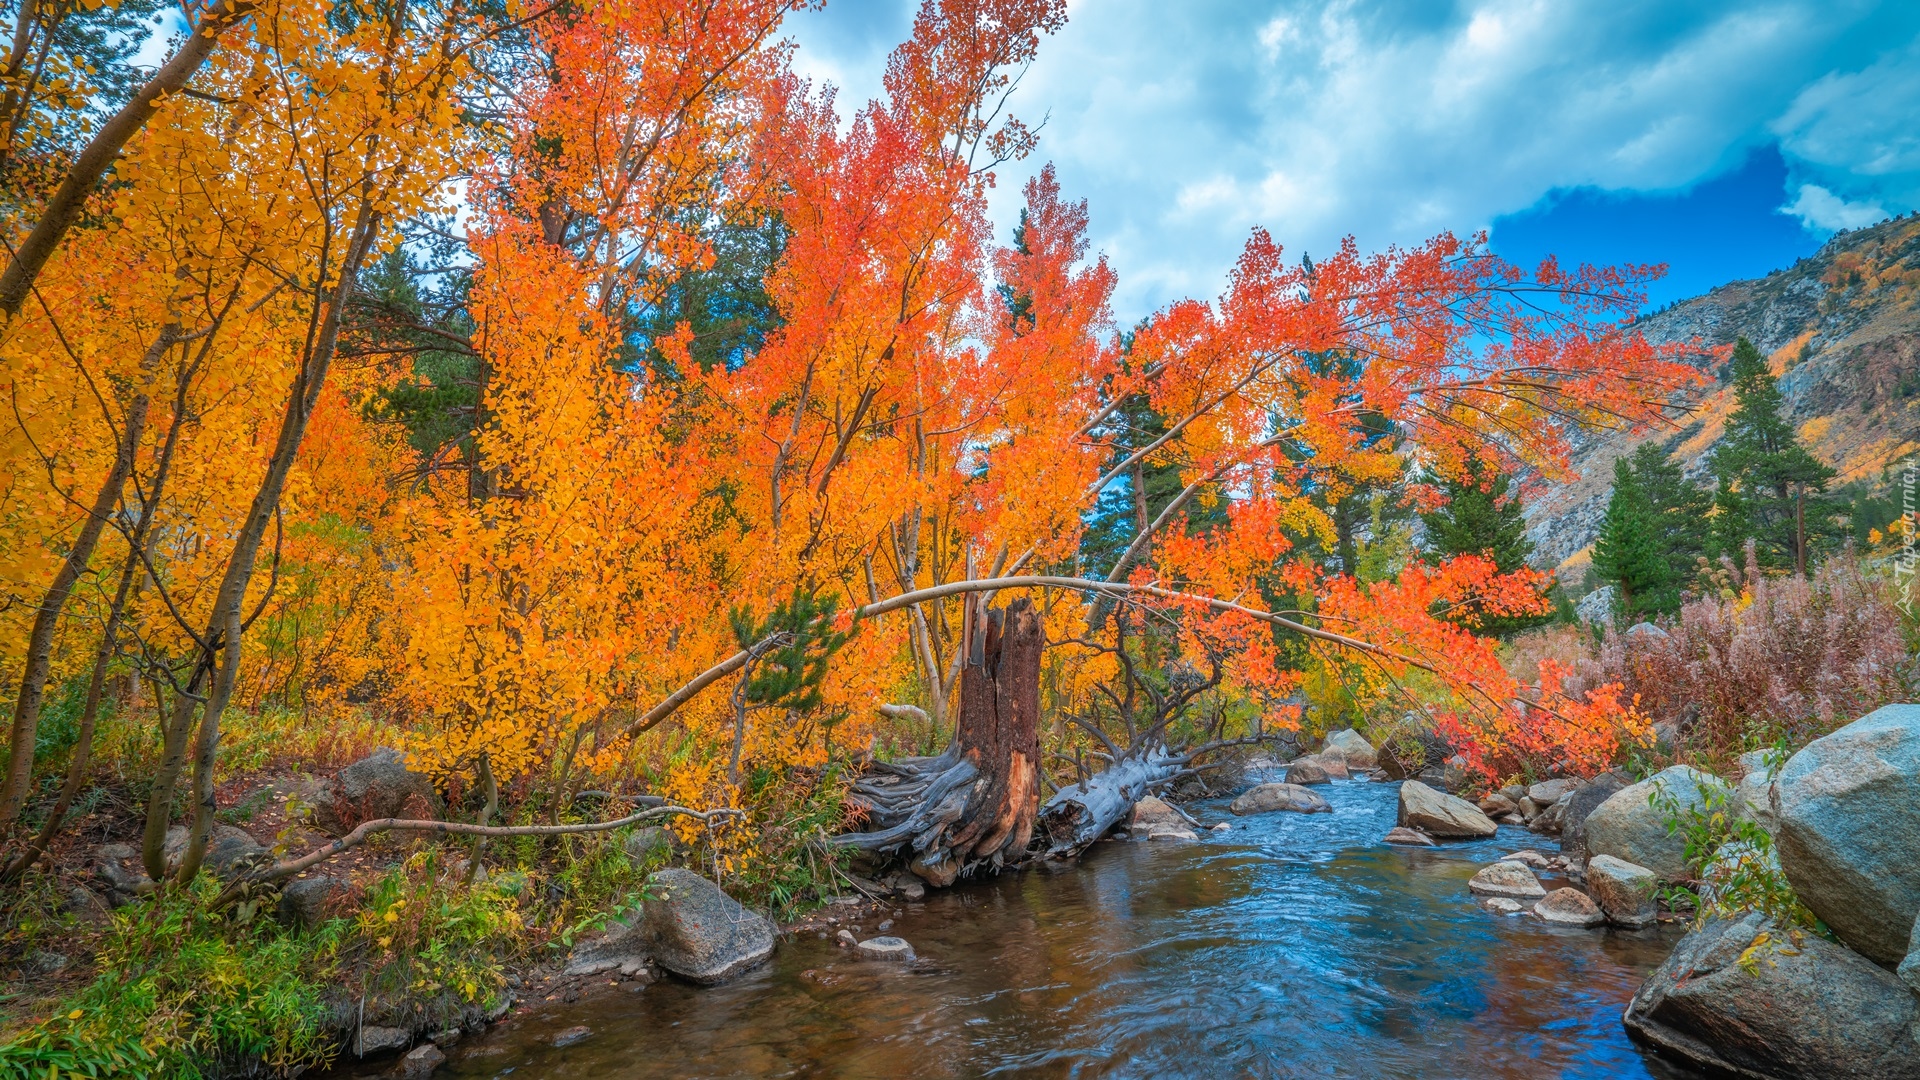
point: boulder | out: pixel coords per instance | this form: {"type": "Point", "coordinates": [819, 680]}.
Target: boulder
{"type": "Point", "coordinates": [1438, 814]}
{"type": "Point", "coordinates": [377, 786]}
{"type": "Point", "coordinates": [1848, 809]}
{"type": "Point", "coordinates": [1151, 811]}
{"type": "Point", "coordinates": [1507, 878]}
{"type": "Point", "coordinates": [1501, 905]}
{"type": "Point", "coordinates": [1569, 907]}
{"type": "Point", "coordinates": [1630, 828]}
{"type": "Point", "coordinates": [229, 850]}
{"type": "Point", "coordinates": [1334, 766]}
{"type": "Point", "coordinates": [889, 949]}
{"type": "Point", "coordinates": [1573, 824]}
{"type": "Point", "coordinates": [308, 902]}
{"type": "Point", "coordinates": [1527, 808]}
{"type": "Point", "coordinates": [1551, 818]}
{"type": "Point", "coordinates": [1496, 805]}
{"type": "Point", "coordinates": [1625, 892]}
{"type": "Point", "coordinates": [698, 932]}
{"type": "Point", "coordinates": [1353, 748]}
{"type": "Point", "coordinates": [1307, 771]}
{"type": "Point", "coordinates": [1548, 792]}
{"type": "Point", "coordinates": [1265, 798]}
{"type": "Point", "coordinates": [649, 845]}
{"type": "Point", "coordinates": [1785, 1006]}
{"type": "Point", "coordinates": [1404, 836]}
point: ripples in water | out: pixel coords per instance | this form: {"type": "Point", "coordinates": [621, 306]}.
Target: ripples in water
{"type": "Point", "coordinates": [1290, 946]}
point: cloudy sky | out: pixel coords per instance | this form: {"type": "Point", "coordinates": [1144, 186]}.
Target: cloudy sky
{"type": "Point", "coordinates": [1725, 139]}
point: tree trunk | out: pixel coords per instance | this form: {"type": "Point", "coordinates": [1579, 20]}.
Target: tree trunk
{"type": "Point", "coordinates": [1079, 814]}
{"type": "Point", "coordinates": [974, 805]}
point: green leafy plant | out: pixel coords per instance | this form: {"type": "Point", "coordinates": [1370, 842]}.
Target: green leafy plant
{"type": "Point", "coordinates": [1740, 871]}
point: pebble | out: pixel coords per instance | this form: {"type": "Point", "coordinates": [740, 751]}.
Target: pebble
{"type": "Point", "coordinates": [845, 938]}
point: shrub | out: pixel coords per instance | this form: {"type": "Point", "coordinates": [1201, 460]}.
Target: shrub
{"type": "Point", "coordinates": [181, 988]}
{"type": "Point", "coordinates": [1763, 661]}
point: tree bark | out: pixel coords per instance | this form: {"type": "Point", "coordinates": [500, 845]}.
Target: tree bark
{"type": "Point", "coordinates": [972, 808]}
{"type": "Point", "coordinates": [1079, 814]}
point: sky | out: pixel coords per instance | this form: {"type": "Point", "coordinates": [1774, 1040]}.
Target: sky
{"type": "Point", "coordinates": [1722, 139]}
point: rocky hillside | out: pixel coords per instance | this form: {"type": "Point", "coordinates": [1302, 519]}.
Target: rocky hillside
{"type": "Point", "coordinates": [1843, 330]}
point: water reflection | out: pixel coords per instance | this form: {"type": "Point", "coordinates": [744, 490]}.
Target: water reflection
{"type": "Point", "coordinates": [1290, 946]}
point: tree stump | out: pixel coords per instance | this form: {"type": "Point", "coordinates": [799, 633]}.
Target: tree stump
{"type": "Point", "coordinates": [973, 806]}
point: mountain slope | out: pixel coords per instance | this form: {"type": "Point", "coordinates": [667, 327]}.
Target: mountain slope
{"type": "Point", "coordinates": [1842, 328]}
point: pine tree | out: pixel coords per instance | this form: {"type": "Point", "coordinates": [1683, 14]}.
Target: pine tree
{"type": "Point", "coordinates": [1679, 523]}
{"type": "Point", "coordinates": [1771, 490]}
{"type": "Point", "coordinates": [1626, 553]}
{"type": "Point", "coordinates": [1483, 516]}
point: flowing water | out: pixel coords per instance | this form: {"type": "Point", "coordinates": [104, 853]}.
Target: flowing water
{"type": "Point", "coordinates": [1289, 946]}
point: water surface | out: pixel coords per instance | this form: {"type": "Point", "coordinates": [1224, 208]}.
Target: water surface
{"type": "Point", "coordinates": [1290, 946]}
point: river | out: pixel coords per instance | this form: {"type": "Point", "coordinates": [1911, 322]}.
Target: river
{"type": "Point", "coordinates": [1289, 946]}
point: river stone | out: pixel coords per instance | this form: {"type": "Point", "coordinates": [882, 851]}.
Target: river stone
{"type": "Point", "coordinates": [1400, 834]}
{"type": "Point", "coordinates": [892, 949]}
{"type": "Point", "coordinates": [1528, 857]}
{"type": "Point", "coordinates": [1573, 826]}
{"type": "Point", "coordinates": [1507, 878]}
{"type": "Point", "coordinates": [1623, 891]}
{"type": "Point", "coordinates": [1569, 907]}
{"type": "Point", "coordinates": [422, 1060]}
{"type": "Point", "coordinates": [1334, 765]}
{"type": "Point", "coordinates": [1306, 771]}
{"type": "Point", "coordinates": [1352, 748]}
{"type": "Point", "coordinates": [1152, 811]}
{"type": "Point", "coordinates": [1439, 814]}
{"type": "Point", "coordinates": [698, 932]}
{"type": "Point", "coordinates": [377, 786]}
{"type": "Point", "coordinates": [1548, 792]}
{"type": "Point", "coordinates": [1848, 806]}
{"type": "Point", "coordinates": [1496, 804]}
{"type": "Point", "coordinates": [1265, 798]}
{"type": "Point", "coordinates": [1628, 827]}
{"type": "Point", "coordinates": [1808, 1009]}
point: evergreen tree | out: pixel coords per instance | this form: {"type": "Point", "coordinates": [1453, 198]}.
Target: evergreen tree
{"type": "Point", "coordinates": [1626, 553]}
{"type": "Point", "coordinates": [1678, 510]}
{"type": "Point", "coordinates": [1483, 516]}
{"type": "Point", "coordinates": [1771, 490]}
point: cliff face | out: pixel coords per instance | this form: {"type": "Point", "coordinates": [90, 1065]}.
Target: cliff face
{"type": "Point", "coordinates": [1842, 328]}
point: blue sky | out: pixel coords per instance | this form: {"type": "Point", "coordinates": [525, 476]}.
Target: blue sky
{"type": "Point", "coordinates": [1725, 139]}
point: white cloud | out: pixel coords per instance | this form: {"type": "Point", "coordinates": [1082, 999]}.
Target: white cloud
{"type": "Point", "coordinates": [1823, 211]}
{"type": "Point", "coordinates": [1187, 124]}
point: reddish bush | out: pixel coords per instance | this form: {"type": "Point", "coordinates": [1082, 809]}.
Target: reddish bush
{"type": "Point", "coordinates": [1770, 659]}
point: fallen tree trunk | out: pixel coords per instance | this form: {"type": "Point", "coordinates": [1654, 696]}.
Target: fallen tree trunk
{"type": "Point", "coordinates": [1079, 814]}
{"type": "Point", "coordinates": [971, 808]}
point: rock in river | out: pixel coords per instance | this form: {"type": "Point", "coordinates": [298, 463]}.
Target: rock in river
{"type": "Point", "coordinates": [893, 949]}
{"type": "Point", "coordinates": [1353, 748]}
{"type": "Point", "coordinates": [1569, 907]}
{"type": "Point", "coordinates": [1628, 826]}
{"type": "Point", "coordinates": [1573, 824]}
{"type": "Point", "coordinates": [700, 933]}
{"type": "Point", "coordinates": [1265, 798]}
{"type": "Point", "coordinates": [1152, 812]}
{"type": "Point", "coordinates": [1623, 890]}
{"type": "Point", "coordinates": [1512, 879]}
{"type": "Point", "coordinates": [1740, 996]}
{"type": "Point", "coordinates": [1402, 835]}
{"type": "Point", "coordinates": [1307, 771]}
{"type": "Point", "coordinates": [1848, 810]}
{"type": "Point", "coordinates": [1439, 814]}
